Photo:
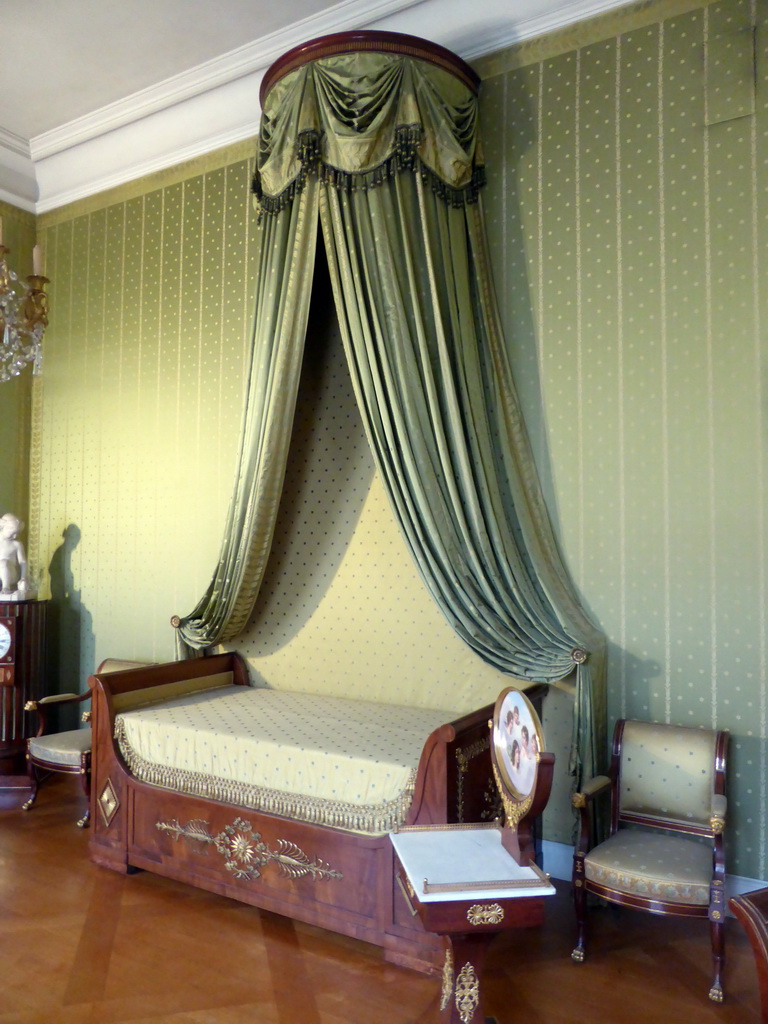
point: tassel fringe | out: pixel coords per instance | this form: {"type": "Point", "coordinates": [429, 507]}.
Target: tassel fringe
{"type": "Point", "coordinates": [371, 819]}
{"type": "Point", "coordinates": [403, 158]}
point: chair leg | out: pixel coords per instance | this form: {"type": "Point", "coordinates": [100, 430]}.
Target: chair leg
{"type": "Point", "coordinates": [717, 934]}
{"type": "Point", "coordinates": [85, 779]}
{"type": "Point", "coordinates": [34, 783]}
{"type": "Point", "coordinates": [580, 905]}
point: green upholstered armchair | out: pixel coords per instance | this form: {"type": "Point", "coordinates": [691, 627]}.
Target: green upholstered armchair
{"type": "Point", "coordinates": [664, 852]}
{"type": "Point", "coordinates": [68, 751]}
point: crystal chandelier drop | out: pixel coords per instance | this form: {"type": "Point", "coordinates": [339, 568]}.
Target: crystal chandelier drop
{"type": "Point", "coordinates": [23, 316]}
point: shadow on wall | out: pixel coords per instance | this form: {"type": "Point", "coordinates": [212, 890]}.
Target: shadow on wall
{"type": "Point", "coordinates": [560, 819]}
{"type": "Point", "coordinates": [69, 634]}
{"type": "Point", "coordinates": [624, 670]}
{"type": "Point", "coordinates": [519, 209]}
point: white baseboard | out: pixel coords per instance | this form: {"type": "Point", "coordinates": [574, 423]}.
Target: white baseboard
{"type": "Point", "coordinates": [558, 862]}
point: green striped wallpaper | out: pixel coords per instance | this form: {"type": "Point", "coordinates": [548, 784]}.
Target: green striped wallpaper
{"type": "Point", "coordinates": [141, 403]}
{"type": "Point", "coordinates": [16, 394]}
{"type": "Point", "coordinates": [629, 237]}
{"type": "Point", "coordinates": [627, 231]}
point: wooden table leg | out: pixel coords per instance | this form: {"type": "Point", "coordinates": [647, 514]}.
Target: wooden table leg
{"type": "Point", "coordinates": [462, 1001]}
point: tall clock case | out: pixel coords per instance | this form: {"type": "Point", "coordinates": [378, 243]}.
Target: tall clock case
{"type": "Point", "coordinates": [22, 655]}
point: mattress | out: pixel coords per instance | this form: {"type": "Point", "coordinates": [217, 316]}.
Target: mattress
{"type": "Point", "coordinates": [328, 760]}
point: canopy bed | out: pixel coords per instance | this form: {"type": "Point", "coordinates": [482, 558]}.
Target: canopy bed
{"type": "Point", "coordinates": [276, 801]}
{"type": "Point", "coordinates": [373, 137]}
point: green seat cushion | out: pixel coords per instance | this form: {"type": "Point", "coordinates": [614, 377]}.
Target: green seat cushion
{"type": "Point", "coordinates": [63, 748]}
{"type": "Point", "coordinates": [653, 865]}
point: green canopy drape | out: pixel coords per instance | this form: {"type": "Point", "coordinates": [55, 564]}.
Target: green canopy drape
{"type": "Point", "coordinates": [377, 135]}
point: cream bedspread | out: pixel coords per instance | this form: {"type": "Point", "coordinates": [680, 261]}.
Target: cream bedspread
{"type": "Point", "coordinates": [346, 763]}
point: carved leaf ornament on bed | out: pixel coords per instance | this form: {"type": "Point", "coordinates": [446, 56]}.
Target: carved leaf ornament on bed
{"type": "Point", "coordinates": [246, 853]}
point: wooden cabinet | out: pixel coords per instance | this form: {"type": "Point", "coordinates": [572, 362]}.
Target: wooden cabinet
{"type": "Point", "coordinates": [22, 656]}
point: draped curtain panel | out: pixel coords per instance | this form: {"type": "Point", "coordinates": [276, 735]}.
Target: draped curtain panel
{"type": "Point", "coordinates": [377, 134]}
{"type": "Point", "coordinates": [287, 243]}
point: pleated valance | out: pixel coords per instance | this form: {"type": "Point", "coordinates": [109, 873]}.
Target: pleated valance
{"type": "Point", "coordinates": [361, 116]}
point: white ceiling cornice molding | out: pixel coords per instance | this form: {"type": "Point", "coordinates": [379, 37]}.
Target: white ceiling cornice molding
{"type": "Point", "coordinates": [217, 103]}
{"type": "Point", "coordinates": [245, 60]}
{"type": "Point", "coordinates": [560, 17]}
{"type": "Point", "coordinates": [14, 143]}
{"type": "Point", "coordinates": [17, 173]}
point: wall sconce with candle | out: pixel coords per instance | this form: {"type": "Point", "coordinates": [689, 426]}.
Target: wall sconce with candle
{"type": "Point", "coordinates": [23, 315]}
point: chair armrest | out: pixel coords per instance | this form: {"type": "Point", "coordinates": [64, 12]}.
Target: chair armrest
{"type": "Point", "coordinates": [718, 812]}
{"type": "Point", "coordinates": [53, 699]}
{"type": "Point", "coordinates": [590, 790]}
{"type": "Point", "coordinates": [582, 801]}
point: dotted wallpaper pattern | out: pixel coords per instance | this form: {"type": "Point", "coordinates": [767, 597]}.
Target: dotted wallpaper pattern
{"type": "Point", "coordinates": [628, 234]}
{"type": "Point", "coordinates": [140, 411]}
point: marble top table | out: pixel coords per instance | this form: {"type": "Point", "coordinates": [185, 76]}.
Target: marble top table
{"type": "Point", "coordinates": [465, 885]}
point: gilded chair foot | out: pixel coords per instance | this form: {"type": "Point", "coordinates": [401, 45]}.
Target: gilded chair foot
{"type": "Point", "coordinates": [716, 993]}
{"type": "Point", "coordinates": [578, 955]}
{"type": "Point", "coordinates": [85, 820]}
{"type": "Point", "coordinates": [28, 804]}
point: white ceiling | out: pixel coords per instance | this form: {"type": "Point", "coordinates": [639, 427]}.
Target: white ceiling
{"type": "Point", "coordinates": [62, 59]}
{"type": "Point", "coordinates": [97, 92]}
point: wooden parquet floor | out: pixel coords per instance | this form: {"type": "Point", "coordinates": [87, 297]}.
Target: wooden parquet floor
{"type": "Point", "coordinates": [82, 945]}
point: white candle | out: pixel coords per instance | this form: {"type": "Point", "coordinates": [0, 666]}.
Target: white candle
{"type": "Point", "coordinates": [37, 261]}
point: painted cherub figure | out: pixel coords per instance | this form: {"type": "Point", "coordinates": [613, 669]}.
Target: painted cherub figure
{"type": "Point", "coordinates": [13, 561]}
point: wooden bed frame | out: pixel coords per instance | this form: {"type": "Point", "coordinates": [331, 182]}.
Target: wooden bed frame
{"type": "Point", "coordinates": [339, 880]}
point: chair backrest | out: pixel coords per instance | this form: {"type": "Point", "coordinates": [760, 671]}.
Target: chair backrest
{"type": "Point", "coordinates": [666, 774]}
{"type": "Point", "coordinates": [120, 665]}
